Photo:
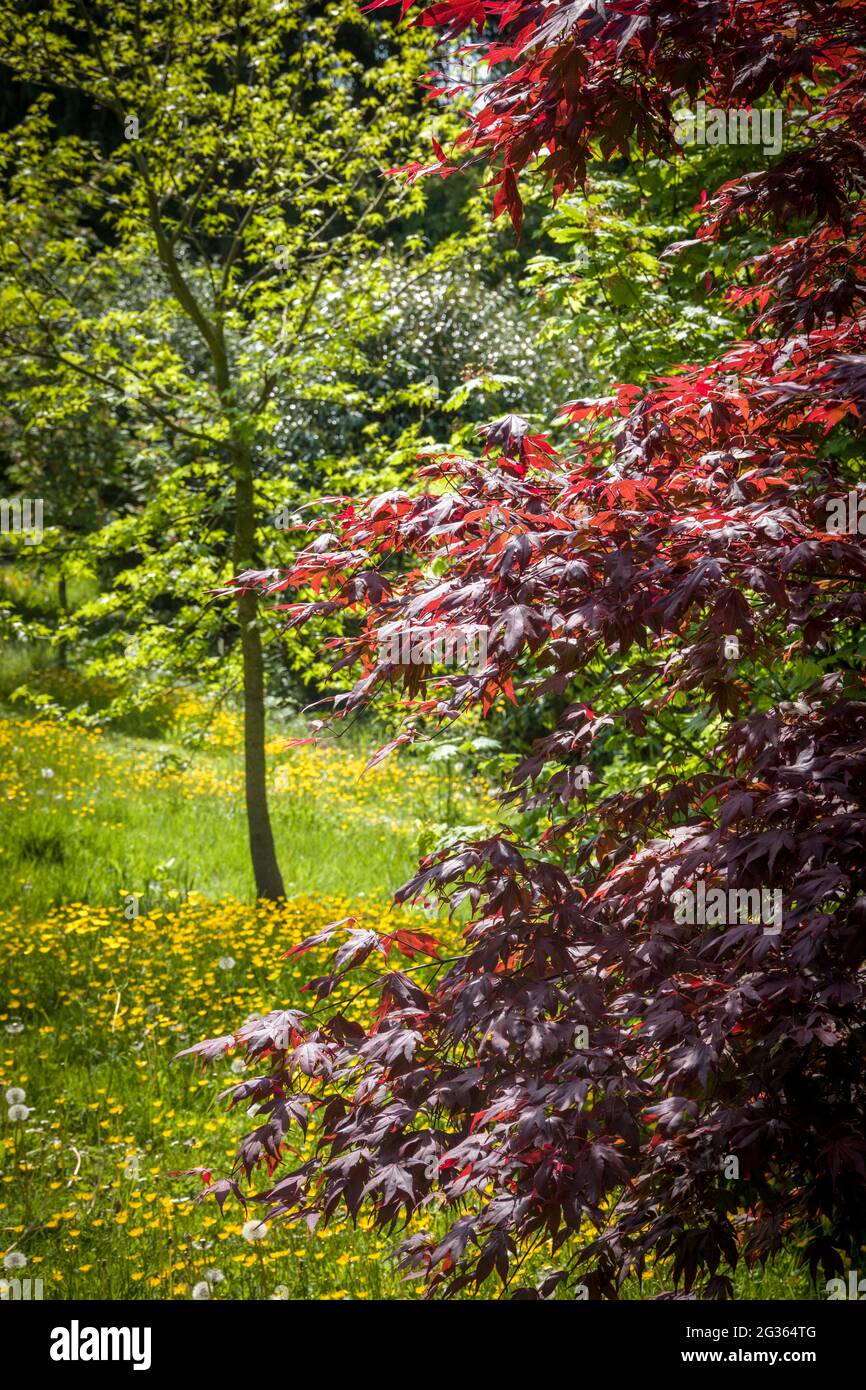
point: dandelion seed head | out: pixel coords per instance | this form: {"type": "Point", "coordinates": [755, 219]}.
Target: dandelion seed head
{"type": "Point", "coordinates": [255, 1230]}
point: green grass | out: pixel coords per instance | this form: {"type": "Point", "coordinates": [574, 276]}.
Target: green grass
{"type": "Point", "coordinates": [95, 1001]}
{"type": "Point", "coordinates": [89, 818]}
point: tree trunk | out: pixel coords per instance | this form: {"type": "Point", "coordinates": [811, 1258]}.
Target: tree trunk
{"type": "Point", "coordinates": [269, 880]}
{"type": "Point", "coordinates": [63, 605]}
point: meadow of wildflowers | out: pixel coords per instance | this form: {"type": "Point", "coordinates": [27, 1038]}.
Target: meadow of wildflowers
{"type": "Point", "coordinates": [127, 931]}
{"type": "Point", "coordinates": [112, 961]}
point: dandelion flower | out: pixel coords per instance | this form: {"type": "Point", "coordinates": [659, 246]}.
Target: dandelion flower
{"type": "Point", "coordinates": [18, 1112]}
{"type": "Point", "coordinates": [15, 1096]}
{"type": "Point", "coordinates": [226, 962]}
{"type": "Point", "coordinates": [14, 1260]}
{"type": "Point", "coordinates": [201, 1290]}
{"type": "Point", "coordinates": [214, 1276]}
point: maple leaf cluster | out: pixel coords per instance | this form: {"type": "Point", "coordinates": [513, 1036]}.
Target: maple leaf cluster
{"type": "Point", "coordinates": [578, 1075]}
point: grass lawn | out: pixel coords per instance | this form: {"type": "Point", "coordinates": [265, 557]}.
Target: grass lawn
{"type": "Point", "coordinates": [127, 931]}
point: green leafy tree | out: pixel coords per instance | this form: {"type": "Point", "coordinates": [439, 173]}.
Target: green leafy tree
{"type": "Point", "coordinates": [193, 266]}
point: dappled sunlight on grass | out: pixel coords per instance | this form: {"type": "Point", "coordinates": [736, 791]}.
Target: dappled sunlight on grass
{"type": "Point", "coordinates": [95, 817]}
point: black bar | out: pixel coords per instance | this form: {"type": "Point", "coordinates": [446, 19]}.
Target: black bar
{"type": "Point", "coordinates": [650, 1337]}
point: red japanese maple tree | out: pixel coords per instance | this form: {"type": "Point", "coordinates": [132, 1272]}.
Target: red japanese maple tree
{"type": "Point", "coordinates": [580, 1077]}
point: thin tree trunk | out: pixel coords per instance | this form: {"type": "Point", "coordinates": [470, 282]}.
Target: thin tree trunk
{"type": "Point", "coordinates": [63, 605]}
{"type": "Point", "coordinates": [269, 880]}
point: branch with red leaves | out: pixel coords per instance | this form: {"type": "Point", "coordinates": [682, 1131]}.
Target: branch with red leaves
{"type": "Point", "coordinates": [580, 1075]}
